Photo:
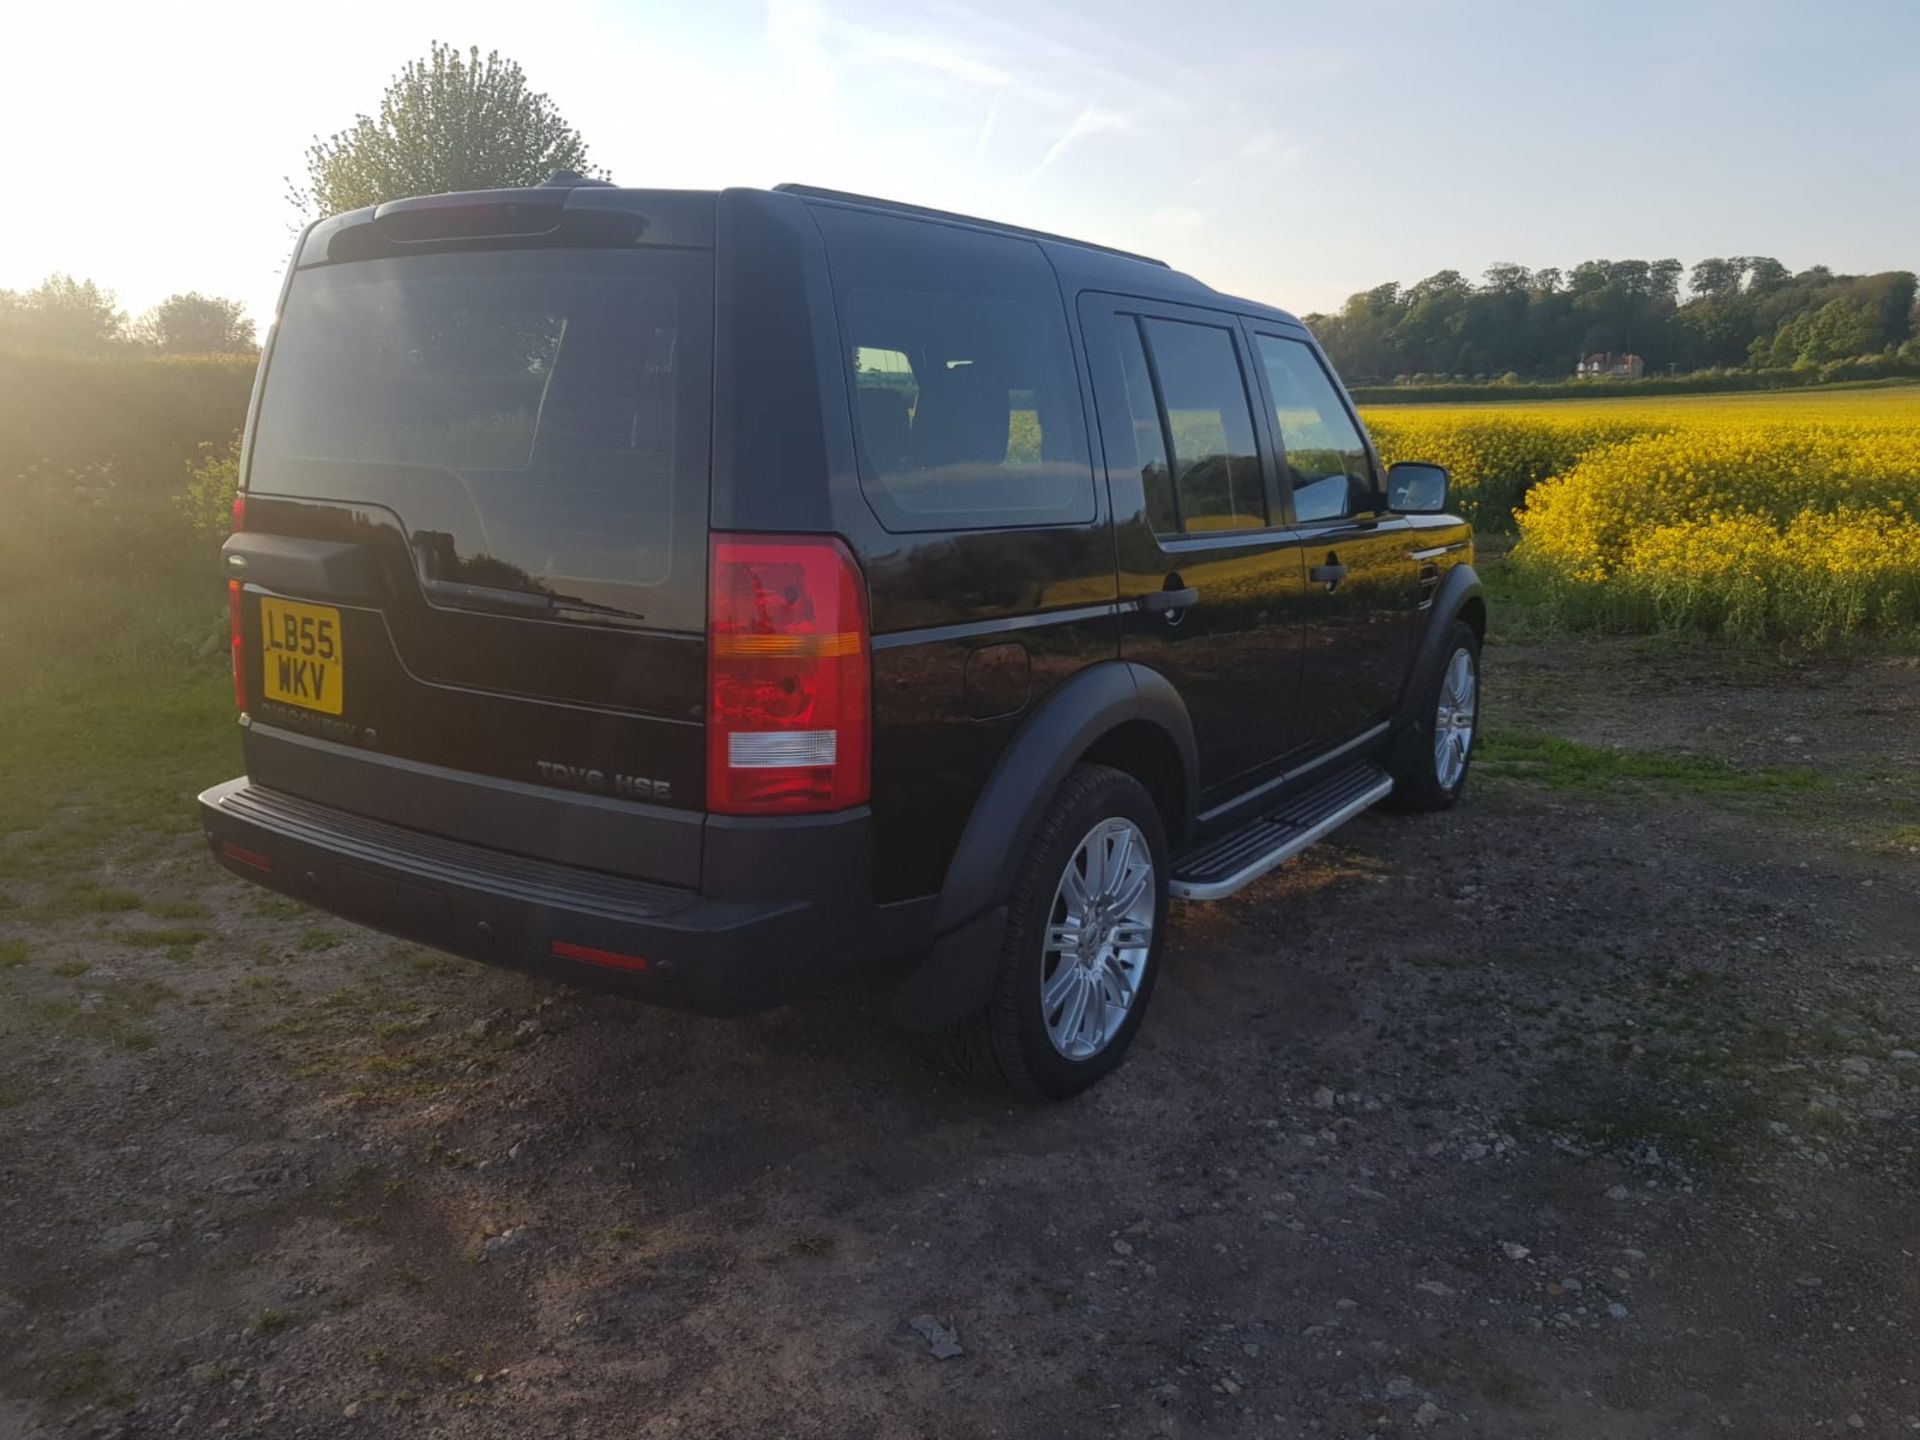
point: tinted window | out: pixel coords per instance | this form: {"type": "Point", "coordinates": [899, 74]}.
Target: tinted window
{"type": "Point", "coordinates": [1216, 467]}
{"type": "Point", "coordinates": [1326, 461]}
{"type": "Point", "coordinates": [524, 413]}
{"type": "Point", "coordinates": [966, 402]}
{"type": "Point", "coordinates": [1149, 433]}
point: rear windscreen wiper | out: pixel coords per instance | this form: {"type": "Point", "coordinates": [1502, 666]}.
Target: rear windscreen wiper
{"type": "Point", "coordinates": [498, 597]}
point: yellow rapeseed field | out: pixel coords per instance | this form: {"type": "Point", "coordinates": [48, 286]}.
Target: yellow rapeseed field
{"type": "Point", "coordinates": [1794, 515]}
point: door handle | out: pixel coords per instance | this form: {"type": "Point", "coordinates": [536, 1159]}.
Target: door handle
{"type": "Point", "coordinates": [1329, 574]}
{"type": "Point", "coordinates": [1160, 600]}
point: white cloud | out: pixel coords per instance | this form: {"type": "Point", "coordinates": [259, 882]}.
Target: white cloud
{"type": "Point", "coordinates": [985, 136]}
{"type": "Point", "coordinates": [1091, 121]}
{"type": "Point", "coordinates": [1273, 149]}
{"type": "Point", "coordinates": [1181, 217]}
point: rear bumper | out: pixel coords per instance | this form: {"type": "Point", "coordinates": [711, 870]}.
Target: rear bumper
{"type": "Point", "coordinates": [659, 943]}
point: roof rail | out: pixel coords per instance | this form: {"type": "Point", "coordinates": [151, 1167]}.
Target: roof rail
{"type": "Point", "coordinates": [821, 192]}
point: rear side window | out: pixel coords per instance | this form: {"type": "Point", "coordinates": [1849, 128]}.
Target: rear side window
{"type": "Point", "coordinates": [1149, 432]}
{"type": "Point", "coordinates": [535, 418]}
{"type": "Point", "coordinates": [1216, 465]}
{"type": "Point", "coordinates": [1326, 460]}
{"type": "Point", "coordinates": [966, 403]}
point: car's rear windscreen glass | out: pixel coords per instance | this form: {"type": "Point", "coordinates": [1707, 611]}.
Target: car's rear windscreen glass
{"type": "Point", "coordinates": [535, 418]}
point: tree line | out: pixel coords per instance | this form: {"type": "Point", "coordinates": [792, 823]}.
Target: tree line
{"type": "Point", "coordinates": [451, 120]}
{"type": "Point", "coordinates": [1742, 312]}
{"type": "Point", "coordinates": [65, 314]}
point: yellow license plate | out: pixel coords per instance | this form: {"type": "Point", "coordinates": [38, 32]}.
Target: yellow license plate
{"type": "Point", "coordinates": [301, 652]}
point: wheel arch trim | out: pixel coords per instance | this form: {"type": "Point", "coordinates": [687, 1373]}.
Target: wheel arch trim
{"type": "Point", "coordinates": [1459, 589]}
{"type": "Point", "coordinates": [1072, 719]}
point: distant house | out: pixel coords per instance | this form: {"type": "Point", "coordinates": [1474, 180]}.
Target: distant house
{"type": "Point", "coordinates": [1608, 366]}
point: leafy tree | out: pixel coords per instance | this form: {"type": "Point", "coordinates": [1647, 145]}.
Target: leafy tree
{"type": "Point", "coordinates": [1837, 330]}
{"type": "Point", "coordinates": [1765, 273]}
{"type": "Point", "coordinates": [1717, 279]}
{"type": "Point", "coordinates": [62, 313]}
{"type": "Point", "coordinates": [195, 324]}
{"type": "Point", "coordinates": [447, 122]}
{"type": "Point", "coordinates": [212, 479]}
{"type": "Point", "coordinates": [1741, 310]}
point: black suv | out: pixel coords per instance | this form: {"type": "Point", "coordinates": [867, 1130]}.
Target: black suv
{"type": "Point", "coordinates": [712, 596]}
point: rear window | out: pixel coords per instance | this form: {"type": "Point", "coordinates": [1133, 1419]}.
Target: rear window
{"type": "Point", "coordinates": [966, 402]}
{"type": "Point", "coordinates": [536, 418]}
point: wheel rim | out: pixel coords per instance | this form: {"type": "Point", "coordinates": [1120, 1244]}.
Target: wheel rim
{"type": "Point", "coordinates": [1099, 935]}
{"type": "Point", "coordinates": [1453, 720]}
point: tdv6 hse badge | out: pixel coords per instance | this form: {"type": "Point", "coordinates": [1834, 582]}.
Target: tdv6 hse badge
{"type": "Point", "coordinates": [599, 782]}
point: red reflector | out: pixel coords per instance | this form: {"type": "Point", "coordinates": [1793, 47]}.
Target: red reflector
{"type": "Point", "coordinates": [789, 720]}
{"type": "Point", "coordinates": [566, 950]}
{"type": "Point", "coordinates": [245, 857]}
{"type": "Point", "coordinates": [239, 511]}
{"type": "Point", "coordinates": [233, 630]}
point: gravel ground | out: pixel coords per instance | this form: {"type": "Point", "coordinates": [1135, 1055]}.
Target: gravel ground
{"type": "Point", "coordinates": [1589, 1108]}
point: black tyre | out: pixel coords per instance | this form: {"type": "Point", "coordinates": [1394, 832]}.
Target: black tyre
{"type": "Point", "coordinates": [1433, 756]}
{"type": "Point", "coordinates": [1085, 926]}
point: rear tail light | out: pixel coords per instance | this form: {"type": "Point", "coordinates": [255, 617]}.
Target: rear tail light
{"type": "Point", "coordinates": [789, 723]}
{"type": "Point", "coordinates": [233, 635]}
{"type": "Point", "coordinates": [233, 611]}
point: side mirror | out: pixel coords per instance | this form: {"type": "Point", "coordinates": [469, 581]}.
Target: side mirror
{"type": "Point", "coordinates": [1415, 489]}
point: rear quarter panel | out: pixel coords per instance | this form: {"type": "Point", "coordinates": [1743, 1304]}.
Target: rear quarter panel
{"type": "Point", "coordinates": [972, 628]}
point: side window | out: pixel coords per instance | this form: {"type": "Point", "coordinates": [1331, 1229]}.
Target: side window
{"type": "Point", "coordinates": [1326, 460]}
{"type": "Point", "coordinates": [1215, 464]}
{"type": "Point", "coordinates": [967, 405]}
{"type": "Point", "coordinates": [886, 392]}
{"type": "Point", "coordinates": [1149, 434]}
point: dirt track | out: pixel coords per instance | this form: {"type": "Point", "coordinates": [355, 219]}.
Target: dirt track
{"type": "Point", "coordinates": [1573, 1112]}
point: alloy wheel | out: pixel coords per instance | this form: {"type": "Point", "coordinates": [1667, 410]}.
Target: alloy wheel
{"type": "Point", "coordinates": [1454, 719]}
{"type": "Point", "coordinates": [1099, 937]}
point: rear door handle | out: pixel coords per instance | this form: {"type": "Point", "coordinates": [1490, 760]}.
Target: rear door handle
{"type": "Point", "coordinates": [1329, 575]}
{"type": "Point", "coordinates": [1169, 599]}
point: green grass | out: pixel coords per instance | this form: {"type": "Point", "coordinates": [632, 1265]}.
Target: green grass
{"type": "Point", "coordinates": [85, 1377]}
{"type": "Point", "coordinates": [117, 708]}
{"type": "Point", "coordinates": [1570, 766]}
{"type": "Point", "coordinates": [113, 1017]}
{"type": "Point", "coordinates": [1897, 840]}
{"type": "Point", "coordinates": [162, 937]}
{"type": "Point", "coordinates": [177, 910]}
{"type": "Point", "coordinates": [117, 705]}
{"type": "Point", "coordinates": [99, 899]}
{"type": "Point", "coordinates": [12, 953]}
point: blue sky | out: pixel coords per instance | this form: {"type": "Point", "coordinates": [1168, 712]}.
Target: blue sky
{"type": "Point", "coordinates": [1289, 151]}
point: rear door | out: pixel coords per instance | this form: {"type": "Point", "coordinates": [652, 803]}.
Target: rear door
{"type": "Point", "coordinates": [1362, 584]}
{"type": "Point", "coordinates": [977, 519]}
{"type": "Point", "coordinates": [476, 524]}
{"type": "Point", "coordinates": [1195, 509]}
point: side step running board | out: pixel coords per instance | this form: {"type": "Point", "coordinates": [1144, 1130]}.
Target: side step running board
{"type": "Point", "coordinates": [1240, 857]}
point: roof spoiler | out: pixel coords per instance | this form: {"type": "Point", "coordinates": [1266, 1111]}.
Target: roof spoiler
{"type": "Point", "coordinates": [574, 180]}
{"type": "Point", "coordinates": [567, 209]}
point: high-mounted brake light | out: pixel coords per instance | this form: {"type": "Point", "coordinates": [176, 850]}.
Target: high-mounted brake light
{"type": "Point", "coordinates": [789, 722]}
